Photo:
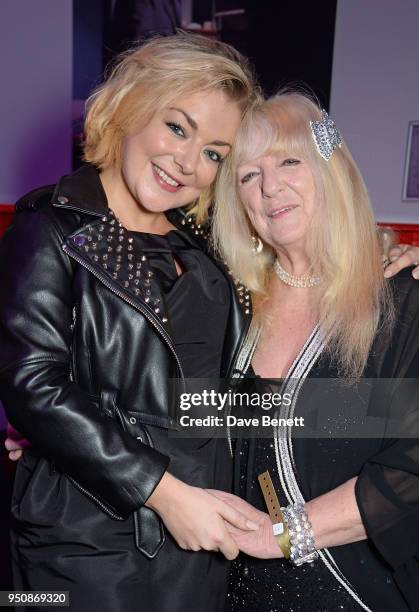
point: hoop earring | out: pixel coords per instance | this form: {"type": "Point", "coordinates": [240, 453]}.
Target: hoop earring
{"type": "Point", "coordinates": [257, 245]}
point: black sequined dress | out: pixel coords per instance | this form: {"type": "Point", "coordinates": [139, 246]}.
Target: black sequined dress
{"type": "Point", "coordinates": [373, 438]}
{"type": "Point", "coordinates": [275, 585]}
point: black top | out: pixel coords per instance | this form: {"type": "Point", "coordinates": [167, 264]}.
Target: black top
{"type": "Point", "coordinates": [197, 304]}
{"type": "Point", "coordinates": [197, 300]}
{"type": "Point", "coordinates": [382, 570]}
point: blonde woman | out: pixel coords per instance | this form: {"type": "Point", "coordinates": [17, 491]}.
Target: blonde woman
{"type": "Point", "coordinates": [324, 313]}
{"type": "Point", "coordinates": [106, 297]}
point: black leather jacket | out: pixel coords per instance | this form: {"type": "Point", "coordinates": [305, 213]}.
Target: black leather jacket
{"type": "Point", "coordinates": [64, 377]}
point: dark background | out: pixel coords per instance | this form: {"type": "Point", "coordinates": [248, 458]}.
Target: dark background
{"type": "Point", "coordinates": [288, 42]}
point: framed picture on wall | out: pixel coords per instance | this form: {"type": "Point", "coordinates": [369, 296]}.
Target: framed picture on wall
{"type": "Point", "coordinates": [411, 166]}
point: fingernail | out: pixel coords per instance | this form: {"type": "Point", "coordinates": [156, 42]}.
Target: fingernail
{"type": "Point", "coordinates": [393, 257]}
{"type": "Point", "coordinates": [415, 274]}
{"type": "Point", "coordinates": [387, 273]}
{"type": "Point", "coordinates": [252, 525]}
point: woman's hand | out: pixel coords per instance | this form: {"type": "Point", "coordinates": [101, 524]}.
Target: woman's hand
{"type": "Point", "coordinates": [403, 256]}
{"type": "Point", "coordinates": [15, 443]}
{"type": "Point", "coordinates": [260, 543]}
{"type": "Point", "coordinates": [334, 517]}
{"type": "Point", "coordinates": [196, 519]}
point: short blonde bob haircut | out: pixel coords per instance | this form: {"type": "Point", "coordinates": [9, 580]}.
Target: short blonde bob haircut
{"type": "Point", "coordinates": [147, 79]}
{"type": "Point", "coordinates": [343, 244]}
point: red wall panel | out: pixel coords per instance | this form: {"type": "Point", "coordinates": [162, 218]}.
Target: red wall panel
{"type": "Point", "coordinates": [407, 233]}
{"type": "Point", "coordinates": [6, 214]}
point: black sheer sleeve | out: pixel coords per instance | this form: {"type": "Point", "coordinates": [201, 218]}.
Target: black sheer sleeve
{"type": "Point", "coordinates": [387, 489]}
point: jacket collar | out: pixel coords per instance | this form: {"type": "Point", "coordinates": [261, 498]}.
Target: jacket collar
{"type": "Point", "coordinates": [83, 191]}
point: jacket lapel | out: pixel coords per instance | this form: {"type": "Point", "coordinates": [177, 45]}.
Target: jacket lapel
{"type": "Point", "coordinates": [112, 254]}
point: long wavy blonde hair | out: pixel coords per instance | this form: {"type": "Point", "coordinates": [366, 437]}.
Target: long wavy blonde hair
{"type": "Point", "coordinates": [147, 79]}
{"type": "Point", "coordinates": [343, 244]}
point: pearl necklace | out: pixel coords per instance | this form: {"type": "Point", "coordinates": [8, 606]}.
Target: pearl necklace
{"type": "Point", "coordinates": [295, 281]}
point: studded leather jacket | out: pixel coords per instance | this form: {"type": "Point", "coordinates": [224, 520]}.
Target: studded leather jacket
{"type": "Point", "coordinates": [84, 341]}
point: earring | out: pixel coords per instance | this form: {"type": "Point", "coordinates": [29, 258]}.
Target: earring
{"type": "Point", "coordinates": [257, 245]}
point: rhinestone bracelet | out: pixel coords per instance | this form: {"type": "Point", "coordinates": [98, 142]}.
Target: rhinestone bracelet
{"type": "Point", "coordinates": [303, 549]}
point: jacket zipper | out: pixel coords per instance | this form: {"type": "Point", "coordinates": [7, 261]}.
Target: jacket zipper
{"type": "Point", "coordinates": [161, 331]}
{"type": "Point", "coordinates": [78, 486]}
{"type": "Point", "coordinates": [97, 501]}
{"type": "Point", "coordinates": [72, 369]}
{"type": "Point", "coordinates": [72, 327]}
{"type": "Point", "coordinates": [121, 295]}
{"type": "Point", "coordinates": [240, 346]}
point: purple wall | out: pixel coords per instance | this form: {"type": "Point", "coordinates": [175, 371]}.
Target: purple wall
{"type": "Point", "coordinates": [375, 94]}
{"type": "Point", "coordinates": [35, 94]}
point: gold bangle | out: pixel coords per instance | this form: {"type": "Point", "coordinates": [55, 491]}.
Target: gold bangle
{"type": "Point", "coordinates": [279, 526]}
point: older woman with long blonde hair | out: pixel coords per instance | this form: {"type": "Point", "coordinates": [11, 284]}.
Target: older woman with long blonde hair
{"type": "Point", "coordinates": [294, 223]}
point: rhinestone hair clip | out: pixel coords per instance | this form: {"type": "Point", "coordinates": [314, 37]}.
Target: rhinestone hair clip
{"type": "Point", "coordinates": [326, 135]}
